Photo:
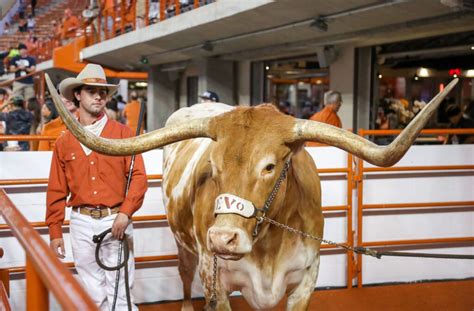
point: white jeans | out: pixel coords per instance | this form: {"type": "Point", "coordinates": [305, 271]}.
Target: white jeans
{"type": "Point", "coordinates": [100, 284]}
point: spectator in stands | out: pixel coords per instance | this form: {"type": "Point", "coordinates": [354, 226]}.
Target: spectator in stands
{"type": "Point", "coordinates": [458, 120]}
{"type": "Point", "coordinates": [35, 109]}
{"type": "Point", "coordinates": [53, 125]}
{"type": "Point", "coordinates": [3, 97]}
{"type": "Point", "coordinates": [3, 56]}
{"type": "Point", "coordinates": [22, 24]}
{"type": "Point", "coordinates": [33, 7]}
{"type": "Point", "coordinates": [131, 112]}
{"type": "Point", "coordinates": [30, 23]}
{"type": "Point", "coordinates": [70, 26]}
{"type": "Point", "coordinates": [121, 106]}
{"type": "Point", "coordinates": [209, 97]}
{"type": "Point", "coordinates": [154, 12]}
{"type": "Point", "coordinates": [23, 65]}
{"type": "Point", "coordinates": [111, 109]}
{"type": "Point", "coordinates": [18, 121]}
{"type": "Point", "coordinates": [31, 44]}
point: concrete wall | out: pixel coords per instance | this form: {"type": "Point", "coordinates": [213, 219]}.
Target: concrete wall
{"type": "Point", "coordinates": [341, 77]}
{"type": "Point", "coordinates": [162, 96]}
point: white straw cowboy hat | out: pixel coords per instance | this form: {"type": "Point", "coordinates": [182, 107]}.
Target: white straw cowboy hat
{"type": "Point", "coordinates": [92, 74]}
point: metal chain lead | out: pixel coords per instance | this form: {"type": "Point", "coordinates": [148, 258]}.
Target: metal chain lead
{"type": "Point", "coordinates": [271, 197]}
{"type": "Point", "coordinates": [358, 250]}
{"type": "Point", "coordinates": [274, 192]}
{"type": "Point", "coordinates": [213, 300]}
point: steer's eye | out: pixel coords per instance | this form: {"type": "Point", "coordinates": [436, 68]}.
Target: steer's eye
{"type": "Point", "coordinates": [269, 168]}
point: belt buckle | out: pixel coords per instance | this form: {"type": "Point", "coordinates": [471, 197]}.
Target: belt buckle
{"type": "Point", "coordinates": [96, 213]}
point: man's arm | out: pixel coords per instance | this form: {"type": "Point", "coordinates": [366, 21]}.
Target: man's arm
{"type": "Point", "coordinates": [32, 66]}
{"type": "Point", "coordinates": [56, 195]}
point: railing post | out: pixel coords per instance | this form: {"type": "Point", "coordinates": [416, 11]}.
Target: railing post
{"type": "Point", "coordinates": [37, 298]}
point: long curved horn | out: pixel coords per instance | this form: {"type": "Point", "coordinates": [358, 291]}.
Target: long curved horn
{"type": "Point", "coordinates": [128, 146]}
{"type": "Point", "coordinates": [306, 130]}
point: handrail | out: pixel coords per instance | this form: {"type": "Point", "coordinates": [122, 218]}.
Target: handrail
{"type": "Point", "coordinates": [363, 132]}
{"type": "Point", "coordinates": [41, 93]}
{"type": "Point", "coordinates": [48, 267]}
{"type": "Point", "coordinates": [361, 207]}
{"type": "Point", "coordinates": [27, 137]}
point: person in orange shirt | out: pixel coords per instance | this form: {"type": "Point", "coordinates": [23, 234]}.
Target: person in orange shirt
{"type": "Point", "coordinates": [132, 112]}
{"type": "Point", "coordinates": [55, 127]}
{"type": "Point", "coordinates": [94, 185]}
{"type": "Point", "coordinates": [70, 25]}
{"type": "Point", "coordinates": [332, 104]}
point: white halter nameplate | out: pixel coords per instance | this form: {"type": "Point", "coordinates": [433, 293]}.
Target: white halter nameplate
{"type": "Point", "coordinates": [227, 203]}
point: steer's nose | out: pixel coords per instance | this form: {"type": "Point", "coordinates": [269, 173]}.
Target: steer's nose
{"type": "Point", "coordinates": [226, 241]}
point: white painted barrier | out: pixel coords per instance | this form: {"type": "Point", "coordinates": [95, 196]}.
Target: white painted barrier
{"type": "Point", "coordinates": [163, 283]}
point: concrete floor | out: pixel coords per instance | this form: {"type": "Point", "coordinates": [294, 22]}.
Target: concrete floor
{"type": "Point", "coordinates": [432, 296]}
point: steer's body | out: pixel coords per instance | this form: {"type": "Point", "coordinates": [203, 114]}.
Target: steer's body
{"type": "Point", "coordinates": [277, 262]}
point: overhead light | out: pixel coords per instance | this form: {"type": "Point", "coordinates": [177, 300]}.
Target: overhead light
{"type": "Point", "coordinates": [144, 60]}
{"type": "Point", "coordinates": [470, 73]}
{"type": "Point", "coordinates": [141, 84]}
{"type": "Point", "coordinates": [455, 75]}
{"type": "Point", "coordinates": [416, 78]}
{"type": "Point", "coordinates": [319, 81]}
{"type": "Point", "coordinates": [207, 46]}
{"type": "Point", "coordinates": [267, 67]}
{"type": "Point", "coordinates": [320, 24]}
{"type": "Point", "coordinates": [472, 47]}
{"type": "Point", "coordinates": [379, 75]}
{"type": "Point", "coordinates": [423, 72]}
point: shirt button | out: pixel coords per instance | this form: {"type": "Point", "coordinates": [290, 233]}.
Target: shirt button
{"type": "Point", "coordinates": [92, 162]}
{"type": "Point", "coordinates": [93, 178]}
{"type": "Point", "coordinates": [95, 192]}
{"type": "Point", "coordinates": [73, 158]}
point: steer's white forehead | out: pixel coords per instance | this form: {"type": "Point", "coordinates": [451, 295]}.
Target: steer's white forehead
{"type": "Point", "coordinates": [198, 111]}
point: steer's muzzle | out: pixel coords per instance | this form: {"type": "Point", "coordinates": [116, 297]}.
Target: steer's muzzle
{"type": "Point", "coordinates": [229, 243]}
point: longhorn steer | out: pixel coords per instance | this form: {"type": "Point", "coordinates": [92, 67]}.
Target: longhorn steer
{"type": "Point", "coordinates": [238, 160]}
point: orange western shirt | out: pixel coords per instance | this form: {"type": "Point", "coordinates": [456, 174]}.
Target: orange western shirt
{"type": "Point", "coordinates": [326, 115]}
{"type": "Point", "coordinates": [52, 128]}
{"type": "Point", "coordinates": [95, 180]}
{"type": "Point", "coordinates": [132, 113]}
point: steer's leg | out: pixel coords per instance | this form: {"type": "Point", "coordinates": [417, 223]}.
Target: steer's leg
{"type": "Point", "coordinates": [300, 296]}
{"type": "Point", "coordinates": [206, 272]}
{"type": "Point", "coordinates": [187, 268]}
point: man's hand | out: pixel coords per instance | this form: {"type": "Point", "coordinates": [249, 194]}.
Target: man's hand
{"type": "Point", "coordinates": [57, 245]}
{"type": "Point", "coordinates": [120, 224]}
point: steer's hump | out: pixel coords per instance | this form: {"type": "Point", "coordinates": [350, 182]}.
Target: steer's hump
{"type": "Point", "coordinates": [197, 111]}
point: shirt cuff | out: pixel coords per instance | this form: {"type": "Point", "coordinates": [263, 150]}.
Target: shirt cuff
{"type": "Point", "coordinates": [127, 209]}
{"type": "Point", "coordinates": [55, 231]}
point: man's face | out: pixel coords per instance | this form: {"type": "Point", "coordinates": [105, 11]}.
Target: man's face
{"type": "Point", "coordinates": [23, 52]}
{"type": "Point", "coordinates": [337, 104]}
{"type": "Point", "coordinates": [92, 99]}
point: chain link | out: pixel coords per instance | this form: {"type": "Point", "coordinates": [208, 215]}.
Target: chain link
{"type": "Point", "coordinates": [358, 250]}
{"type": "Point", "coordinates": [213, 300]}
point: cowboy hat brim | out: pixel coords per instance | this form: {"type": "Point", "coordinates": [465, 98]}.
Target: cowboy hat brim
{"type": "Point", "coordinates": [67, 86]}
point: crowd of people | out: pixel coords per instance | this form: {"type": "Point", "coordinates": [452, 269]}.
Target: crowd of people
{"type": "Point", "coordinates": [28, 117]}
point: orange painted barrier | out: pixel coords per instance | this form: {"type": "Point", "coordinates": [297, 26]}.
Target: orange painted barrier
{"type": "Point", "coordinates": [44, 270]}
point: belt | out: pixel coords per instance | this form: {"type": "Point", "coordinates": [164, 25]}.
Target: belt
{"type": "Point", "coordinates": [96, 212]}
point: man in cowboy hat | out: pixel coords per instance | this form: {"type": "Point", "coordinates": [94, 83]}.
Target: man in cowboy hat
{"type": "Point", "coordinates": [94, 185]}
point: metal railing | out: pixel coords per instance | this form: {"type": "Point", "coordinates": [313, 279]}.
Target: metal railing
{"type": "Point", "coordinates": [359, 179]}
{"type": "Point", "coordinates": [44, 271]}
{"type": "Point", "coordinates": [354, 182]}
{"type": "Point", "coordinates": [154, 218]}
